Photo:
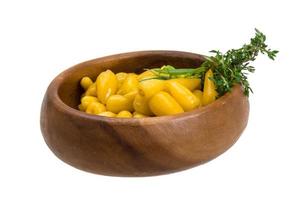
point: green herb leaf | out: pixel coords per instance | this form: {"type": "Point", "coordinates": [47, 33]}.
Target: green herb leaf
{"type": "Point", "coordinates": [229, 68]}
{"type": "Point", "coordinates": [232, 67]}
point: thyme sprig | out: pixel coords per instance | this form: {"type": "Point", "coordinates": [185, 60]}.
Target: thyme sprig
{"type": "Point", "coordinates": [229, 68]}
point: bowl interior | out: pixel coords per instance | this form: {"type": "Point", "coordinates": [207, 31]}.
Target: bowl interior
{"type": "Point", "coordinates": [69, 90]}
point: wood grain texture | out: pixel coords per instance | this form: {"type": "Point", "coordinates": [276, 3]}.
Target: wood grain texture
{"type": "Point", "coordinates": [137, 147]}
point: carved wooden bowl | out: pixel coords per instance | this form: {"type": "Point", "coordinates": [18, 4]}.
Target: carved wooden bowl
{"type": "Point", "coordinates": [138, 147]}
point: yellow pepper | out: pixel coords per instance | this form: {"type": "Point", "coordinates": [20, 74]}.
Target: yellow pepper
{"type": "Point", "coordinates": [124, 114]}
{"type": "Point", "coordinates": [91, 91]}
{"type": "Point", "coordinates": [80, 107]}
{"type": "Point", "coordinates": [198, 94]}
{"type": "Point", "coordinates": [117, 103]}
{"type": "Point", "coordinates": [140, 104]}
{"type": "Point", "coordinates": [209, 90]}
{"type": "Point", "coordinates": [133, 74]}
{"type": "Point", "coordinates": [163, 103]}
{"type": "Point", "coordinates": [107, 84]}
{"type": "Point", "coordinates": [145, 75]}
{"type": "Point", "coordinates": [86, 100]}
{"type": "Point", "coordinates": [130, 84]}
{"type": "Point", "coordinates": [131, 96]}
{"type": "Point", "coordinates": [138, 115]}
{"type": "Point", "coordinates": [124, 93]}
{"type": "Point", "coordinates": [121, 76]}
{"type": "Point", "coordinates": [187, 100]}
{"type": "Point", "coordinates": [150, 87]}
{"type": "Point", "coordinates": [86, 82]}
{"type": "Point", "coordinates": [95, 108]}
{"type": "Point", "coordinates": [189, 83]}
{"type": "Point", "coordinates": [107, 114]}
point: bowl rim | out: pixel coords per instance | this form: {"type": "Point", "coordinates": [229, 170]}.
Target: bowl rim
{"type": "Point", "coordinates": [54, 86]}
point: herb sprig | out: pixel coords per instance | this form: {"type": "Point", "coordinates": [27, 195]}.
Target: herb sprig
{"type": "Point", "coordinates": [229, 68]}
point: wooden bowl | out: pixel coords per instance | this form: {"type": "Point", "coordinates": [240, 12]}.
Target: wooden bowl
{"type": "Point", "coordinates": [137, 147]}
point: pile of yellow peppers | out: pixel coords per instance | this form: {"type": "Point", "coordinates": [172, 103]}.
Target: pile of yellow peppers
{"type": "Point", "coordinates": [128, 95]}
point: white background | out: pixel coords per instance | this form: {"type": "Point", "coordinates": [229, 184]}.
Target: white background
{"type": "Point", "coordinates": [39, 39]}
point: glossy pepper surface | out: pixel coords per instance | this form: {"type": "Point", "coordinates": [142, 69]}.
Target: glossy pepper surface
{"type": "Point", "coordinates": [187, 100]}
{"type": "Point", "coordinates": [189, 83]}
{"type": "Point", "coordinates": [124, 114]}
{"type": "Point", "coordinates": [91, 91]}
{"type": "Point", "coordinates": [95, 108]}
{"type": "Point", "coordinates": [121, 76]}
{"type": "Point", "coordinates": [107, 114]}
{"type": "Point", "coordinates": [199, 95]}
{"type": "Point", "coordinates": [86, 100]}
{"type": "Point", "coordinates": [163, 103]}
{"type": "Point", "coordinates": [146, 75]}
{"type": "Point", "coordinates": [117, 103]}
{"type": "Point", "coordinates": [150, 87]}
{"type": "Point", "coordinates": [209, 90]}
{"type": "Point", "coordinates": [140, 104]}
{"type": "Point", "coordinates": [106, 85]}
{"type": "Point", "coordinates": [86, 82]}
{"type": "Point", "coordinates": [130, 84]}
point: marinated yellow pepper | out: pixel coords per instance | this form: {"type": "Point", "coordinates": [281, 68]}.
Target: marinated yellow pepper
{"type": "Point", "coordinates": [121, 76]}
{"type": "Point", "coordinates": [131, 96]}
{"type": "Point", "coordinates": [133, 74]}
{"type": "Point", "coordinates": [124, 114]}
{"type": "Point", "coordinates": [138, 115]}
{"type": "Point", "coordinates": [86, 100]}
{"type": "Point", "coordinates": [198, 94]}
{"type": "Point", "coordinates": [116, 103]}
{"type": "Point", "coordinates": [146, 75]}
{"type": "Point", "coordinates": [107, 114]}
{"type": "Point", "coordinates": [80, 107]}
{"type": "Point", "coordinates": [143, 95]}
{"type": "Point", "coordinates": [91, 91]}
{"type": "Point", "coordinates": [95, 108]}
{"type": "Point", "coordinates": [209, 90]}
{"type": "Point", "coordinates": [189, 83]}
{"type": "Point", "coordinates": [150, 87]}
{"type": "Point", "coordinates": [163, 103]}
{"type": "Point", "coordinates": [130, 84]}
{"type": "Point", "coordinates": [107, 84]}
{"type": "Point", "coordinates": [86, 82]}
{"type": "Point", "coordinates": [140, 104]}
{"type": "Point", "coordinates": [187, 100]}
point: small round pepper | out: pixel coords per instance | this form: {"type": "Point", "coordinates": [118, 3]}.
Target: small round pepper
{"type": "Point", "coordinates": [86, 82]}
{"type": "Point", "coordinates": [86, 100]}
{"type": "Point", "coordinates": [107, 114]}
{"type": "Point", "coordinates": [124, 114]}
{"type": "Point", "coordinates": [138, 115]}
{"type": "Point", "coordinates": [95, 108]}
